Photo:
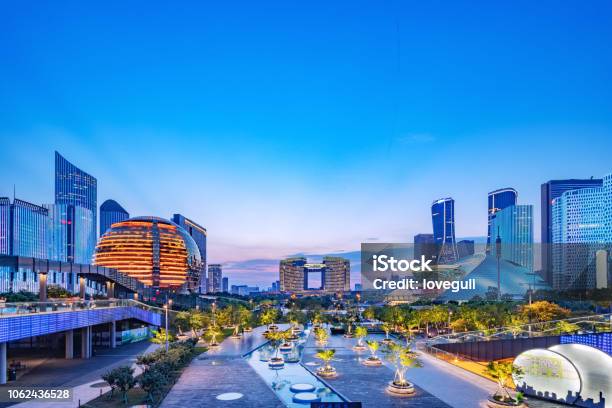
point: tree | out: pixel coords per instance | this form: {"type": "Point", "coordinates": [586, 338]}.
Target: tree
{"type": "Point", "coordinates": [213, 332]}
{"type": "Point", "coordinates": [181, 321]}
{"type": "Point", "coordinates": [502, 372]}
{"type": "Point", "coordinates": [124, 380]}
{"type": "Point", "coordinates": [386, 327]}
{"type": "Point", "coordinates": [321, 334]}
{"type": "Point", "coordinates": [110, 377]}
{"type": "Point", "coordinates": [159, 336]}
{"type": "Point", "coordinates": [373, 345]}
{"type": "Point", "coordinates": [403, 358]}
{"type": "Point", "coordinates": [276, 338]}
{"type": "Point", "coordinates": [197, 321]}
{"type": "Point", "coordinates": [563, 327]}
{"type": "Point", "coordinates": [326, 355]}
{"type": "Point", "coordinates": [543, 311]}
{"type": "Point", "coordinates": [369, 313]}
{"type": "Point", "coordinates": [360, 333]}
{"type": "Point", "coordinates": [150, 381]}
{"type": "Point", "coordinates": [57, 292]}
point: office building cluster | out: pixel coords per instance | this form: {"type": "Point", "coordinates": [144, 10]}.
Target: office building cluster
{"type": "Point", "coordinates": [158, 252]}
{"type": "Point", "coordinates": [576, 232]}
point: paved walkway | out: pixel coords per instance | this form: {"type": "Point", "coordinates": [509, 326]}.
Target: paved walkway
{"type": "Point", "coordinates": [79, 374]}
{"type": "Point", "coordinates": [220, 371]}
{"type": "Point", "coordinates": [365, 384]}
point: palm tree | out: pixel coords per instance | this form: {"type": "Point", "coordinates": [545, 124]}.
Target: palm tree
{"type": "Point", "coordinates": [360, 333]}
{"type": "Point", "coordinates": [326, 355]}
{"type": "Point", "coordinates": [386, 327]}
{"type": "Point", "coordinates": [502, 372]}
{"type": "Point", "coordinates": [402, 358]}
{"type": "Point", "coordinates": [373, 345]}
{"type": "Point", "coordinates": [321, 334]}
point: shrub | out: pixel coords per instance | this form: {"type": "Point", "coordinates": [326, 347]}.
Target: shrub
{"type": "Point", "coordinates": [151, 381]}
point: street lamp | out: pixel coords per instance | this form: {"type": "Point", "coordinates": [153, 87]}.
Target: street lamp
{"type": "Point", "coordinates": [498, 251]}
{"type": "Point", "coordinates": [167, 307]}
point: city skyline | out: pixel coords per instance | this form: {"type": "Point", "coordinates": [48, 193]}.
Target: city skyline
{"type": "Point", "coordinates": [281, 145]}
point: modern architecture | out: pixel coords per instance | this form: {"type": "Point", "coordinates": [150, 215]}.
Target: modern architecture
{"type": "Point", "coordinates": [154, 250]}
{"type": "Point", "coordinates": [74, 214]}
{"type": "Point", "coordinates": [215, 274]}
{"type": "Point", "coordinates": [549, 192]}
{"type": "Point", "coordinates": [582, 225]}
{"type": "Point", "coordinates": [443, 220]}
{"type": "Point", "coordinates": [496, 201]}
{"type": "Point", "coordinates": [110, 213]}
{"type": "Point", "coordinates": [225, 285]}
{"type": "Point", "coordinates": [199, 235]}
{"type": "Point", "coordinates": [514, 226]}
{"type": "Point", "coordinates": [424, 245]}
{"type": "Point", "coordinates": [465, 248]}
{"type": "Point", "coordinates": [23, 229]}
{"type": "Point", "coordinates": [334, 275]}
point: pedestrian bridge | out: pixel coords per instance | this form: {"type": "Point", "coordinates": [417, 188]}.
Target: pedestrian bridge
{"type": "Point", "coordinates": [29, 319]}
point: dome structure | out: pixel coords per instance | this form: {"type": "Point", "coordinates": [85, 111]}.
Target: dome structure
{"type": "Point", "coordinates": [153, 250]}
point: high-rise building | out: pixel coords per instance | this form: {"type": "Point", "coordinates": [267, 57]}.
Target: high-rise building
{"type": "Point", "coordinates": [496, 201]}
{"type": "Point", "coordinates": [514, 226]}
{"type": "Point", "coordinates": [110, 213]}
{"type": "Point", "coordinates": [23, 229]}
{"type": "Point", "coordinates": [424, 245]}
{"type": "Point", "coordinates": [225, 285]}
{"type": "Point", "coordinates": [549, 192]}
{"type": "Point", "coordinates": [153, 250]}
{"type": "Point", "coordinates": [199, 235]}
{"type": "Point", "coordinates": [582, 226]}
{"type": "Point", "coordinates": [443, 220]}
{"type": "Point", "coordinates": [335, 273]}
{"type": "Point", "coordinates": [465, 248]}
{"type": "Point", "coordinates": [76, 206]}
{"type": "Point", "coordinates": [214, 278]}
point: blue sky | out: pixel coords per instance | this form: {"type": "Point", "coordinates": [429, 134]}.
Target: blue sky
{"type": "Point", "coordinates": [310, 127]}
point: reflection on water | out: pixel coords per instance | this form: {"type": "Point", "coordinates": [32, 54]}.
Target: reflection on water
{"type": "Point", "coordinates": [292, 373]}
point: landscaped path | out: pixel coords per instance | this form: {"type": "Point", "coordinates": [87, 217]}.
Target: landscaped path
{"type": "Point", "coordinates": [224, 371]}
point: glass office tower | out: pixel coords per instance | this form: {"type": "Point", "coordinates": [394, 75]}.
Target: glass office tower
{"type": "Point", "coordinates": [110, 213]}
{"type": "Point", "coordinates": [199, 235]}
{"type": "Point", "coordinates": [214, 278]}
{"type": "Point", "coordinates": [496, 201]}
{"type": "Point", "coordinates": [549, 192]}
{"type": "Point", "coordinates": [23, 229]}
{"type": "Point", "coordinates": [582, 225]}
{"type": "Point", "coordinates": [443, 220]}
{"type": "Point", "coordinates": [514, 226]}
{"type": "Point", "coordinates": [74, 213]}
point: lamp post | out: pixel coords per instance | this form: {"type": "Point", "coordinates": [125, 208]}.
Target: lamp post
{"type": "Point", "coordinates": [498, 255]}
{"type": "Point", "coordinates": [167, 307]}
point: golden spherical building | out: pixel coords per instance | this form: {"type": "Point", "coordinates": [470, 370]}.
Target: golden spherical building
{"type": "Point", "coordinates": [153, 250]}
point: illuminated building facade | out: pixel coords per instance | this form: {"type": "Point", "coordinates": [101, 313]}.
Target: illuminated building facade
{"type": "Point", "coordinates": [156, 251]}
{"type": "Point", "coordinates": [215, 274]}
{"type": "Point", "coordinates": [74, 215]}
{"type": "Point", "coordinates": [496, 201]}
{"type": "Point", "coordinates": [199, 235]}
{"type": "Point", "coordinates": [110, 213]}
{"type": "Point", "coordinates": [514, 226]}
{"type": "Point", "coordinates": [23, 229]}
{"type": "Point", "coordinates": [335, 274]}
{"type": "Point", "coordinates": [443, 220]}
{"type": "Point", "coordinates": [582, 225]}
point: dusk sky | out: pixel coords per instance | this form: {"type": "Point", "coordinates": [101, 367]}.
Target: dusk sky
{"type": "Point", "coordinates": [305, 127]}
